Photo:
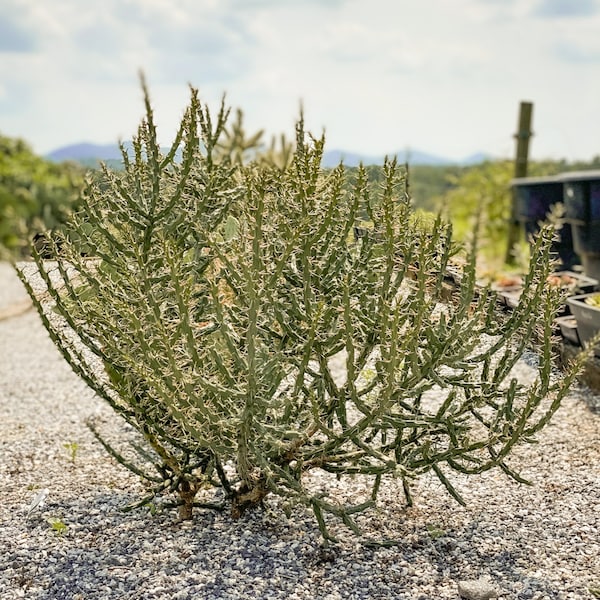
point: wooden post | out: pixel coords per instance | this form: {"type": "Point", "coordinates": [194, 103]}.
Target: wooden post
{"type": "Point", "coordinates": [522, 136]}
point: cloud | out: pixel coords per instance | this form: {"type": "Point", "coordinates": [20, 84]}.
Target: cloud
{"type": "Point", "coordinates": [196, 41]}
{"type": "Point", "coordinates": [573, 52]}
{"type": "Point", "coordinates": [14, 37]}
{"type": "Point", "coordinates": [173, 42]}
{"type": "Point", "coordinates": [377, 75]}
{"type": "Point", "coordinates": [252, 4]}
{"type": "Point", "coordinates": [567, 8]}
{"type": "Point", "coordinates": [100, 37]}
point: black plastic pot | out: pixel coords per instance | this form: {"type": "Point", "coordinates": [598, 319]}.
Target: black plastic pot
{"type": "Point", "coordinates": [587, 317]}
{"type": "Point", "coordinates": [563, 247]}
{"type": "Point", "coordinates": [568, 329]}
{"type": "Point", "coordinates": [586, 238]}
{"type": "Point", "coordinates": [581, 193]}
{"type": "Point", "coordinates": [534, 197]}
{"type": "Point", "coordinates": [589, 260]}
{"type": "Point", "coordinates": [574, 282]}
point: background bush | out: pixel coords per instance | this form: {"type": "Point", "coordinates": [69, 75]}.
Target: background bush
{"type": "Point", "coordinates": [35, 194]}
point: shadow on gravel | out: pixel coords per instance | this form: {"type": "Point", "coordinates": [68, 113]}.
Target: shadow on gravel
{"type": "Point", "coordinates": [105, 553]}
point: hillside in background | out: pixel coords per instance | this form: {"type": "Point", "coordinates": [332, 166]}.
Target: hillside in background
{"type": "Point", "coordinates": [85, 152]}
{"type": "Point", "coordinates": [91, 155]}
{"type": "Point", "coordinates": [431, 177]}
{"type": "Point", "coordinates": [332, 158]}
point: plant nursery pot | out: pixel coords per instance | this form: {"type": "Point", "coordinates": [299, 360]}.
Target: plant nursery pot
{"type": "Point", "coordinates": [587, 317]}
{"type": "Point", "coordinates": [586, 238]}
{"type": "Point", "coordinates": [508, 289]}
{"type": "Point", "coordinates": [568, 329]}
{"type": "Point", "coordinates": [581, 196]}
{"type": "Point", "coordinates": [591, 264]}
{"type": "Point", "coordinates": [562, 248]}
{"type": "Point", "coordinates": [535, 195]}
{"type": "Point", "coordinates": [511, 299]}
{"type": "Point", "coordinates": [534, 198]}
{"type": "Point", "coordinates": [586, 243]}
{"type": "Point", "coordinates": [573, 282]}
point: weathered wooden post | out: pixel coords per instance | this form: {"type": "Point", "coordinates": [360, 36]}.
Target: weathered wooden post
{"type": "Point", "coordinates": [522, 136]}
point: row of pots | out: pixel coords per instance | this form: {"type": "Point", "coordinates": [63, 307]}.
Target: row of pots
{"type": "Point", "coordinates": [579, 192]}
{"type": "Point", "coordinates": [580, 321]}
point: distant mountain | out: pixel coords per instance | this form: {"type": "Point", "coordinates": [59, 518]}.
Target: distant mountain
{"type": "Point", "coordinates": [92, 154]}
{"type": "Point", "coordinates": [476, 158]}
{"type": "Point", "coordinates": [331, 158]}
{"type": "Point", "coordinates": [85, 152]}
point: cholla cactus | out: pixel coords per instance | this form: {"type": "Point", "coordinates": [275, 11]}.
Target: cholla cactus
{"type": "Point", "coordinates": [212, 305]}
{"type": "Point", "coordinates": [235, 145]}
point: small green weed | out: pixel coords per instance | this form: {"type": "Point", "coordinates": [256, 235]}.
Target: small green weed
{"type": "Point", "coordinates": [435, 531]}
{"type": "Point", "coordinates": [57, 525]}
{"type": "Point", "coordinates": [72, 447]}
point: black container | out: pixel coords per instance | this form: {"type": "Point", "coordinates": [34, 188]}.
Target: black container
{"type": "Point", "coordinates": [563, 248]}
{"type": "Point", "coordinates": [586, 238]}
{"type": "Point", "coordinates": [568, 329]}
{"type": "Point", "coordinates": [576, 283]}
{"type": "Point", "coordinates": [587, 317]}
{"type": "Point", "coordinates": [581, 193]}
{"type": "Point", "coordinates": [582, 211]}
{"type": "Point", "coordinates": [589, 259]}
{"type": "Point", "coordinates": [534, 198]}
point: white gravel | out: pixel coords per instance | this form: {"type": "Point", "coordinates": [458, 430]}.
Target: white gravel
{"type": "Point", "coordinates": [540, 542]}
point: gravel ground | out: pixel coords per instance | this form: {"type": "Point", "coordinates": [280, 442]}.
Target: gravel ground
{"type": "Point", "coordinates": [540, 542]}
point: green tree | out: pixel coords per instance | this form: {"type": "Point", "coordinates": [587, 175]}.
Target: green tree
{"type": "Point", "coordinates": [35, 194]}
{"type": "Point", "coordinates": [236, 145]}
{"type": "Point", "coordinates": [482, 192]}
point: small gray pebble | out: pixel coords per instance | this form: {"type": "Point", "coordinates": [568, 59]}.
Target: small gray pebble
{"type": "Point", "coordinates": [477, 589]}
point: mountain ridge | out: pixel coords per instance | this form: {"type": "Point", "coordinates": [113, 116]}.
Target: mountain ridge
{"type": "Point", "coordinates": [91, 154]}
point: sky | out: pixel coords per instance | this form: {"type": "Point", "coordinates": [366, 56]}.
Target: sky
{"type": "Point", "coordinates": [378, 76]}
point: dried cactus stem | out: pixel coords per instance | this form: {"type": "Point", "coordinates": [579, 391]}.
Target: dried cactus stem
{"type": "Point", "coordinates": [247, 498]}
{"type": "Point", "coordinates": [187, 492]}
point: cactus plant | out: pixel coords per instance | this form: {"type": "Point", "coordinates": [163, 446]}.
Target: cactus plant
{"type": "Point", "coordinates": [209, 302]}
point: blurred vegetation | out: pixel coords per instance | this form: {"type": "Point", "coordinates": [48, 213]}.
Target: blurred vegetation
{"type": "Point", "coordinates": [35, 194]}
{"type": "Point", "coordinates": [483, 192]}
{"type": "Point", "coordinates": [426, 182]}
